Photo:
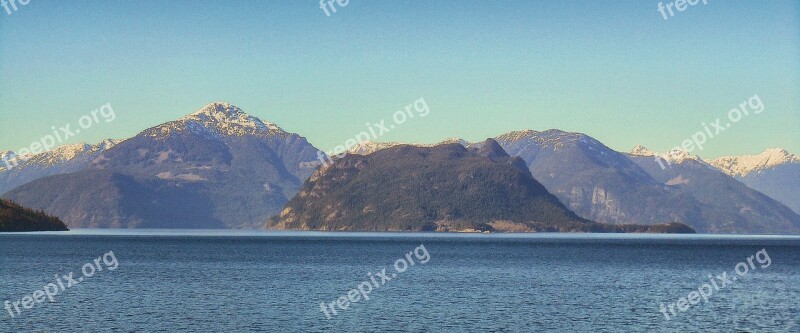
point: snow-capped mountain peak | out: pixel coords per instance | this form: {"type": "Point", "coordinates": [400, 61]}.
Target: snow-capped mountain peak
{"type": "Point", "coordinates": [230, 118]}
{"type": "Point", "coordinates": [63, 159]}
{"type": "Point", "coordinates": [369, 147]}
{"type": "Point", "coordinates": [640, 150]}
{"type": "Point", "coordinates": [219, 111]}
{"type": "Point", "coordinates": [678, 156]}
{"type": "Point", "coordinates": [675, 156]}
{"type": "Point", "coordinates": [218, 118]}
{"type": "Point", "coordinates": [68, 153]}
{"type": "Point", "coordinates": [457, 140]}
{"type": "Point", "coordinates": [743, 165]}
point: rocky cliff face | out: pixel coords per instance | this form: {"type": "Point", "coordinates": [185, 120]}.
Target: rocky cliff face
{"type": "Point", "coordinates": [597, 182]}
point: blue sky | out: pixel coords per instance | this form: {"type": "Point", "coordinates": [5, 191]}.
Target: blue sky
{"type": "Point", "coordinates": [614, 70]}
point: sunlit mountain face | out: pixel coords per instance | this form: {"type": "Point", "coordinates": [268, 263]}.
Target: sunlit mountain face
{"type": "Point", "coordinates": [215, 168]}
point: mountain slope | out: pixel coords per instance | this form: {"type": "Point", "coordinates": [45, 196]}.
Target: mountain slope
{"type": "Point", "coordinates": [105, 199]}
{"type": "Point", "coordinates": [64, 159]}
{"type": "Point", "coordinates": [774, 172]}
{"type": "Point", "coordinates": [727, 205]}
{"type": "Point", "coordinates": [445, 188]}
{"type": "Point", "coordinates": [240, 168]}
{"type": "Point", "coordinates": [15, 218]}
{"type": "Point", "coordinates": [597, 182]}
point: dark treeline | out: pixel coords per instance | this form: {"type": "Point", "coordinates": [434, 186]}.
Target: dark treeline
{"type": "Point", "coordinates": [15, 218]}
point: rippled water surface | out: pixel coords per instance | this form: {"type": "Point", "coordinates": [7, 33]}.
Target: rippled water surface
{"type": "Point", "coordinates": [237, 281]}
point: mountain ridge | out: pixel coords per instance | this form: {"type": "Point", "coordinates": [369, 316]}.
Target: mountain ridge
{"type": "Point", "coordinates": [63, 159]}
{"type": "Point", "coordinates": [445, 187]}
{"type": "Point", "coordinates": [742, 165]}
{"type": "Point", "coordinates": [242, 164]}
{"type": "Point", "coordinates": [242, 169]}
{"type": "Point", "coordinates": [774, 172]}
{"type": "Point", "coordinates": [644, 184]}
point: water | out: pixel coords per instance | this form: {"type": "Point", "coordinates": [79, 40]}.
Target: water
{"type": "Point", "coordinates": [238, 281]}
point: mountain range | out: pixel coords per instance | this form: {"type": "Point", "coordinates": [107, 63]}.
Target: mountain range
{"type": "Point", "coordinates": [19, 170]}
{"type": "Point", "coordinates": [723, 203]}
{"type": "Point", "coordinates": [215, 168]}
{"type": "Point", "coordinates": [445, 187]}
{"type": "Point", "coordinates": [774, 172]}
{"type": "Point", "coordinates": [222, 168]}
{"type": "Point", "coordinates": [607, 186]}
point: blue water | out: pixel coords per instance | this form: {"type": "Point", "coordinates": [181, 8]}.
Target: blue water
{"type": "Point", "coordinates": [240, 281]}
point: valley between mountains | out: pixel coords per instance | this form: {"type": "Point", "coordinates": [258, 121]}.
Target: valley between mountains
{"type": "Point", "coordinates": [220, 167]}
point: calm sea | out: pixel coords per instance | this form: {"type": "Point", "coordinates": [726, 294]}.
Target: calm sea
{"type": "Point", "coordinates": [236, 281]}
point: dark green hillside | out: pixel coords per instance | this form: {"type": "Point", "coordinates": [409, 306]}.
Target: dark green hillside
{"type": "Point", "coordinates": [15, 218]}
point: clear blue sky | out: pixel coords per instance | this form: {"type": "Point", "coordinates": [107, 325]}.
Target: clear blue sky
{"type": "Point", "coordinates": [615, 70]}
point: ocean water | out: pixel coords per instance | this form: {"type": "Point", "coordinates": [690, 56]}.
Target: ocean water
{"type": "Point", "coordinates": [241, 281]}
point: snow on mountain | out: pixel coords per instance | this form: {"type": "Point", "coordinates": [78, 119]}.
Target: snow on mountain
{"type": "Point", "coordinates": [10, 159]}
{"type": "Point", "coordinates": [553, 139]}
{"type": "Point", "coordinates": [723, 203]}
{"type": "Point", "coordinates": [672, 156]}
{"type": "Point", "coordinates": [213, 168]}
{"type": "Point", "coordinates": [56, 156]}
{"type": "Point", "coordinates": [529, 143]}
{"type": "Point", "coordinates": [66, 153]}
{"type": "Point", "coordinates": [218, 119]}
{"type": "Point", "coordinates": [774, 172]}
{"type": "Point", "coordinates": [460, 141]}
{"type": "Point", "coordinates": [595, 181]}
{"type": "Point", "coordinates": [739, 166]}
{"type": "Point", "coordinates": [63, 159]}
{"type": "Point", "coordinates": [640, 150]}
{"type": "Point", "coordinates": [369, 147]}
{"type": "Point", "coordinates": [6, 154]}
{"type": "Point", "coordinates": [6, 159]}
